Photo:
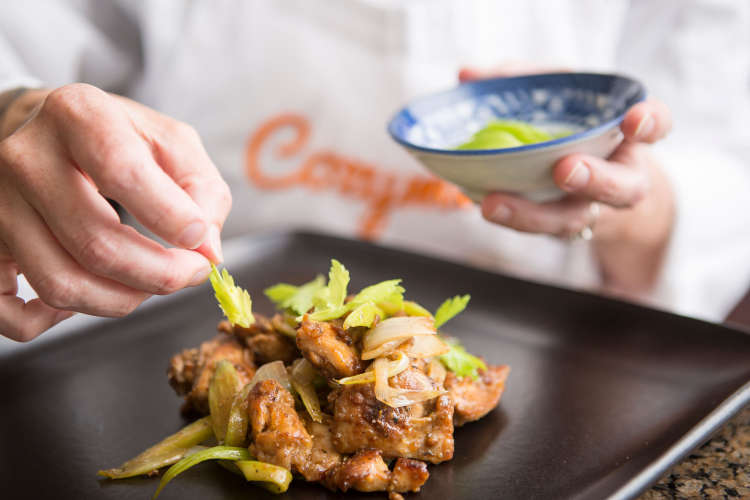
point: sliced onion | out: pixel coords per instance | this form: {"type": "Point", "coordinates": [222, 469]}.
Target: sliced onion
{"type": "Point", "coordinates": [398, 328]}
{"type": "Point", "coordinates": [384, 349]}
{"type": "Point", "coordinates": [393, 368]}
{"type": "Point", "coordinates": [426, 346]}
{"type": "Point", "coordinates": [303, 375]}
{"type": "Point", "coordinates": [437, 371]}
{"type": "Point", "coordinates": [417, 347]}
{"type": "Point", "coordinates": [396, 398]}
{"type": "Point", "coordinates": [405, 398]}
{"type": "Point", "coordinates": [274, 370]}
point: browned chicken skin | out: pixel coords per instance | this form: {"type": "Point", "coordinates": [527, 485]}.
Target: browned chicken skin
{"type": "Point", "coordinates": [281, 437]}
{"type": "Point", "coordinates": [190, 371]}
{"type": "Point", "coordinates": [264, 340]}
{"type": "Point", "coordinates": [182, 370]}
{"type": "Point", "coordinates": [278, 435]}
{"type": "Point", "coordinates": [323, 455]}
{"type": "Point", "coordinates": [422, 431]}
{"type": "Point", "coordinates": [366, 471]}
{"type": "Point", "coordinates": [328, 348]}
{"type": "Point", "coordinates": [408, 475]}
{"type": "Point", "coordinates": [474, 399]}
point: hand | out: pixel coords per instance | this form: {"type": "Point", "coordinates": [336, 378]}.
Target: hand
{"type": "Point", "coordinates": [56, 227]}
{"type": "Point", "coordinates": [637, 205]}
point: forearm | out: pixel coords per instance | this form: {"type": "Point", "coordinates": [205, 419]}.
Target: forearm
{"type": "Point", "coordinates": [17, 106]}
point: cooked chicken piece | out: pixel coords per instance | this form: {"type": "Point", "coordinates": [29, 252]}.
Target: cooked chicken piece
{"type": "Point", "coordinates": [366, 471]}
{"type": "Point", "coordinates": [323, 456]}
{"type": "Point", "coordinates": [328, 348]}
{"type": "Point", "coordinates": [264, 340]}
{"type": "Point", "coordinates": [473, 399]}
{"type": "Point", "coordinates": [277, 433]}
{"type": "Point", "coordinates": [182, 370]}
{"type": "Point", "coordinates": [422, 430]}
{"type": "Point", "coordinates": [408, 475]}
{"type": "Point", "coordinates": [190, 371]}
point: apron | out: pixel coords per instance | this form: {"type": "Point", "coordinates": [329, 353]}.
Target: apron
{"type": "Point", "coordinates": [292, 99]}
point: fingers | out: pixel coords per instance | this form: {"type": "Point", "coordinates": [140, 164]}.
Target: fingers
{"type": "Point", "coordinates": [22, 322]}
{"type": "Point", "coordinates": [58, 279]}
{"type": "Point", "coordinates": [180, 152]}
{"type": "Point", "coordinates": [90, 230]}
{"type": "Point", "coordinates": [121, 163]}
{"type": "Point", "coordinates": [8, 276]}
{"type": "Point", "coordinates": [622, 181]}
{"type": "Point", "coordinates": [647, 121]}
{"type": "Point", "coordinates": [561, 218]}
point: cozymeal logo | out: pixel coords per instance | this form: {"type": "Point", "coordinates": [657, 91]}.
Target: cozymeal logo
{"type": "Point", "coordinates": [381, 191]}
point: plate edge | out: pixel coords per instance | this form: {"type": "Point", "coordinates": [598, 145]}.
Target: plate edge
{"type": "Point", "coordinates": [694, 438]}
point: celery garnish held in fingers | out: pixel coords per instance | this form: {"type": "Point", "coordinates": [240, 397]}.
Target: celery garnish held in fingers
{"type": "Point", "coordinates": [233, 300]}
{"type": "Point", "coordinates": [215, 453]}
{"type": "Point", "coordinates": [166, 452]}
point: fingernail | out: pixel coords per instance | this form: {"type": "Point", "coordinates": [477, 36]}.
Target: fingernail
{"type": "Point", "coordinates": [501, 213]}
{"type": "Point", "coordinates": [645, 127]}
{"type": "Point", "coordinates": [193, 235]}
{"type": "Point", "coordinates": [578, 177]}
{"type": "Point", "coordinates": [200, 276]}
{"type": "Point", "coordinates": [215, 242]}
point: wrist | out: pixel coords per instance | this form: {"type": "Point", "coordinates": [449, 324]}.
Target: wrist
{"type": "Point", "coordinates": [17, 106]}
{"type": "Point", "coordinates": [631, 243]}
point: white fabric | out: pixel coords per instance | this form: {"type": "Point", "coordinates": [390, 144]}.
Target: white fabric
{"type": "Point", "coordinates": [346, 66]}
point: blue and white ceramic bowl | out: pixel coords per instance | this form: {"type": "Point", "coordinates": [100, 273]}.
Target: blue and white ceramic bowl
{"type": "Point", "coordinates": [588, 104]}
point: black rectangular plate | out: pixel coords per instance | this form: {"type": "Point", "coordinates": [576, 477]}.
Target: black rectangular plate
{"type": "Point", "coordinates": [603, 396]}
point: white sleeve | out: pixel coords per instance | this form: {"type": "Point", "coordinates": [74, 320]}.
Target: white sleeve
{"type": "Point", "coordinates": [696, 57]}
{"type": "Point", "coordinates": [707, 267]}
{"type": "Point", "coordinates": [53, 43]}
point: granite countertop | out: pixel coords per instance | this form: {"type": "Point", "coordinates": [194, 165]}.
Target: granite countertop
{"type": "Point", "coordinates": [718, 469]}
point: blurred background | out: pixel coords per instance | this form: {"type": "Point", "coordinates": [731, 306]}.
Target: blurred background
{"type": "Point", "coordinates": [291, 99]}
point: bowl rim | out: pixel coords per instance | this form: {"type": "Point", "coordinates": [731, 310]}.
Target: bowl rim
{"type": "Point", "coordinates": [589, 132]}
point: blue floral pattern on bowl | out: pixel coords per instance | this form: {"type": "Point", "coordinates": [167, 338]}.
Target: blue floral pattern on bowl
{"type": "Point", "coordinates": [578, 102]}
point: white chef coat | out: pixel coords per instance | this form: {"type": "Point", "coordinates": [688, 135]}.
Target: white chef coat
{"type": "Point", "coordinates": [255, 76]}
